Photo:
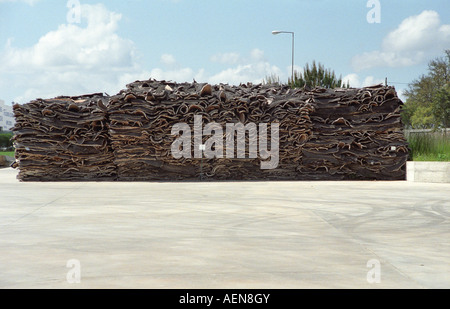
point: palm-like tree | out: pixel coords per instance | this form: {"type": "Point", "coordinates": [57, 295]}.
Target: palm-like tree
{"type": "Point", "coordinates": [315, 75]}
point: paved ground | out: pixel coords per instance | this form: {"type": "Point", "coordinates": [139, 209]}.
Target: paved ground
{"type": "Point", "coordinates": [224, 235]}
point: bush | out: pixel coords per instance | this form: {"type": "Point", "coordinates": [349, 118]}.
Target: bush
{"type": "Point", "coordinates": [5, 141]}
{"type": "Point", "coordinates": [429, 147]}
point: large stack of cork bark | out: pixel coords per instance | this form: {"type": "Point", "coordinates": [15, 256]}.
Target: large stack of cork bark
{"type": "Point", "coordinates": [310, 134]}
{"type": "Point", "coordinates": [142, 118]}
{"type": "Point", "coordinates": [63, 139]}
{"type": "Point", "coordinates": [358, 134]}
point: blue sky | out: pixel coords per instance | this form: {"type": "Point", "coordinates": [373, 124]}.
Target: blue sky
{"type": "Point", "coordinates": [45, 51]}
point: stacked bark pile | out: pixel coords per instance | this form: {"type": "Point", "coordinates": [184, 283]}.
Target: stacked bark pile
{"type": "Point", "coordinates": [358, 134]}
{"type": "Point", "coordinates": [143, 115]}
{"type": "Point", "coordinates": [323, 134]}
{"type": "Point", "coordinates": [63, 139]}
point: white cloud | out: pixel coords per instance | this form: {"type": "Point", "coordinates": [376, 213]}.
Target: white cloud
{"type": "Point", "coordinates": [417, 33]}
{"type": "Point", "coordinates": [253, 69]}
{"type": "Point", "coordinates": [174, 71]}
{"type": "Point", "coordinates": [168, 59]}
{"type": "Point", "coordinates": [232, 58]}
{"type": "Point", "coordinates": [179, 75]}
{"type": "Point", "coordinates": [71, 60]}
{"type": "Point", "coordinates": [356, 81]}
{"type": "Point", "coordinates": [257, 55]}
{"type": "Point", "coordinates": [88, 57]}
{"type": "Point", "coordinates": [70, 46]}
{"type": "Point", "coordinates": [415, 40]}
{"type": "Point", "coordinates": [226, 58]}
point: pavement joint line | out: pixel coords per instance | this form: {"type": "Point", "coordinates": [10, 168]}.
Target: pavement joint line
{"type": "Point", "coordinates": [364, 245]}
{"type": "Point", "coordinates": [42, 206]}
{"type": "Point", "coordinates": [392, 265]}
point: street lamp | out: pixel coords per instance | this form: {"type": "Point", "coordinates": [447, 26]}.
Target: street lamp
{"type": "Point", "coordinates": [275, 32]}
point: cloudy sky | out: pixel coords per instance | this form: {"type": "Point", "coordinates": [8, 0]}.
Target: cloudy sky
{"type": "Point", "coordinates": [71, 47]}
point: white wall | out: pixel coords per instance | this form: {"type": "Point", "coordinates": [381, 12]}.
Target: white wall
{"type": "Point", "coordinates": [6, 116]}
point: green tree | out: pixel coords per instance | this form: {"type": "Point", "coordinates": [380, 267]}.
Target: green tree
{"type": "Point", "coordinates": [422, 117]}
{"type": "Point", "coordinates": [5, 140]}
{"type": "Point", "coordinates": [441, 106]}
{"type": "Point", "coordinates": [426, 105]}
{"type": "Point", "coordinates": [272, 79]}
{"type": "Point", "coordinates": [315, 75]}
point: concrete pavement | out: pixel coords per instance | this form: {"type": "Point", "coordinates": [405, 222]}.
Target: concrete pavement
{"type": "Point", "coordinates": [224, 234]}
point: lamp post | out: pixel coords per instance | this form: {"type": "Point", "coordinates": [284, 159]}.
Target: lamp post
{"type": "Point", "coordinates": [275, 32]}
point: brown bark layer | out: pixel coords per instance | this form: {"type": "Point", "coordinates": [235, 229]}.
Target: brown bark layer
{"type": "Point", "coordinates": [63, 139]}
{"type": "Point", "coordinates": [324, 134]}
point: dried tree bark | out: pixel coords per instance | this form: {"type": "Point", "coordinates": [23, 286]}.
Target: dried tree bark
{"type": "Point", "coordinates": [63, 139]}
{"type": "Point", "coordinates": [324, 134]}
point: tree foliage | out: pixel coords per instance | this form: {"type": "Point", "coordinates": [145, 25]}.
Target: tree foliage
{"type": "Point", "coordinates": [315, 75]}
{"type": "Point", "coordinates": [428, 97]}
{"type": "Point", "coordinates": [5, 140]}
{"type": "Point", "coordinates": [272, 79]}
{"type": "Point", "coordinates": [441, 106]}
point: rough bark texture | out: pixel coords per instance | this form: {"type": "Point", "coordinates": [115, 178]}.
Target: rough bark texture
{"type": "Point", "coordinates": [64, 139]}
{"type": "Point", "coordinates": [323, 134]}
